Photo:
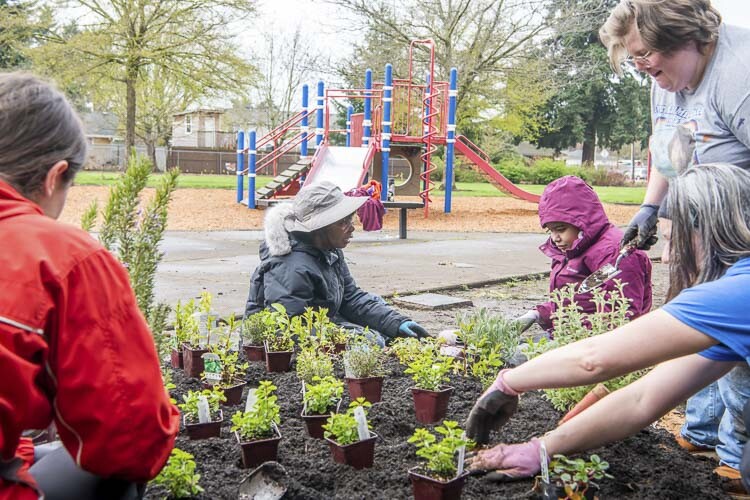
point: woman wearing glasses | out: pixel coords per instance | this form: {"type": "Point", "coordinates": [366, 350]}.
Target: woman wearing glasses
{"type": "Point", "coordinates": [302, 265]}
{"type": "Point", "coordinates": [699, 68]}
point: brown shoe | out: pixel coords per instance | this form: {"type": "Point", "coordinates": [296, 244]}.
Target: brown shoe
{"type": "Point", "coordinates": [731, 481]}
{"type": "Point", "coordinates": [690, 447]}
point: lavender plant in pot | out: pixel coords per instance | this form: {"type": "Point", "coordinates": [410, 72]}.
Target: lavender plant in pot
{"type": "Point", "coordinates": [349, 436]}
{"type": "Point", "coordinates": [256, 429]}
{"type": "Point", "coordinates": [441, 475]}
{"type": "Point", "coordinates": [364, 369]}
{"type": "Point", "coordinates": [319, 399]}
{"type": "Point", "coordinates": [197, 408]}
{"type": "Point", "coordinates": [313, 362]}
{"type": "Point", "coordinates": [429, 370]}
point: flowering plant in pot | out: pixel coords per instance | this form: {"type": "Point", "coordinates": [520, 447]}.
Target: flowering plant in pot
{"type": "Point", "coordinates": [364, 368]}
{"type": "Point", "coordinates": [225, 371]}
{"type": "Point", "coordinates": [255, 330]}
{"type": "Point", "coordinates": [318, 399]}
{"type": "Point", "coordinates": [349, 436]}
{"type": "Point", "coordinates": [197, 408]}
{"type": "Point", "coordinates": [572, 479]}
{"type": "Point", "coordinates": [280, 345]}
{"type": "Point", "coordinates": [256, 429]}
{"type": "Point", "coordinates": [429, 370]}
{"type": "Point", "coordinates": [178, 477]}
{"type": "Point", "coordinates": [440, 476]}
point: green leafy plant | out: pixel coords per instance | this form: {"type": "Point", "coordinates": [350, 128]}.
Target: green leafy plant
{"type": "Point", "coordinates": [429, 369]}
{"type": "Point", "coordinates": [189, 407]}
{"type": "Point", "coordinates": [283, 337]}
{"type": "Point", "coordinates": [259, 421]}
{"type": "Point", "coordinates": [257, 328]}
{"type": "Point", "coordinates": [179, 476]}
{"type": "Point", "coordinates": [313, 362]}
{"type": "Point", "coordinates": [342, 427]}
{"type": "Point", "coordinates": [577, 475]}
{"type": "Point", "coordinates": [322, 395]}
{"type": "Point", "coordinates": [570, 325]}
{"type": "Point", "coordinates": [406, 349]}
{"type": "Point", "coordinates": [232, 370]}
{"type": "Point", "coordinates": [364, 358]}
{"type": "Point", "coordinates": [185, 326]}
{"type": "Point", "coordinates": [440, 456]}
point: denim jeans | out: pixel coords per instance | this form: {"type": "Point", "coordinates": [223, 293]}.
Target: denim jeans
{"type": "Point", "coordinates": [713, 416]}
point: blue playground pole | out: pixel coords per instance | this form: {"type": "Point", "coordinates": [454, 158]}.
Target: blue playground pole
{"type": "Point", "coordinates": [367, 122]}
{"type": "Point", "coordinates": [319, 128]}
{"type": "Point", "coordinates": [349, 112]}
{"type": "Point", "coordinates": [304, 125]}
{"type": "Point", "coordinates": [251, 171]}
{"type": "Point", "coordinates": [386, 135]}
{"type": "Point", "coordinates": [450, 139]}
{"type": "Point", "coordinates": [240, 165]}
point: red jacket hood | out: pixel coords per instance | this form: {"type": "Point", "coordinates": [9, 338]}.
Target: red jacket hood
{"type": "Point", "coordinates": [12, 203]}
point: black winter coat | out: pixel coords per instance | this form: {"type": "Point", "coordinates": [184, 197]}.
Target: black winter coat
{"type": "Point", "coordinates": [309, 277]}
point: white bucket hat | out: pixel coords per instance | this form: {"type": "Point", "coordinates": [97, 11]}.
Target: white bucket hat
{"type": "Point", "coordinates": [319, 205]}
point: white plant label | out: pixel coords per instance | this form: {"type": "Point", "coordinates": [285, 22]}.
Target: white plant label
{"type": "Point", "coordinates": [202, 320]}
{"type": "Point", "coordinates": [543, 462]}
{"type": "Point", "coordinates": [212, 368]}
{"type": "Point", "coordinates": [361, 418]}
{"type": "Point", "coordinates": [461, 457]}
{"type": "Point", "coordinates": [251, 399]}
{"type": "Point", "coordinates": [204, 412]}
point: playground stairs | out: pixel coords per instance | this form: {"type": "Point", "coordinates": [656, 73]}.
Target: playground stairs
{"type": "Point", "coordinates": [284, 179]}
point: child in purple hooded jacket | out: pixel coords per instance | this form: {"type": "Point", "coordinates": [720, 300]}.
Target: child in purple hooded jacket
{"type": "Point", "coordinates": [581, 241]}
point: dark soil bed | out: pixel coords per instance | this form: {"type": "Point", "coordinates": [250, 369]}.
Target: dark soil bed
{"type": "Point", "coordinates": [647, 465]}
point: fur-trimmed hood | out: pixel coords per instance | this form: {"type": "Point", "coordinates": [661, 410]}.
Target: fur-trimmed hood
{"type": "Point", "coordinates": [277, 238]}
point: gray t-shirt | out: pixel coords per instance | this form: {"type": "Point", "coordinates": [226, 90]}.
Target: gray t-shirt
{"type": "Point", "coordinates": [718, 111]}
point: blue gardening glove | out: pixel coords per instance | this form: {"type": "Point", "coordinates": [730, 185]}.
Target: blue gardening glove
{"type": "Point", "coordinates": [642, 227]}
{"type": "Point", "coordinates": [412, 329]}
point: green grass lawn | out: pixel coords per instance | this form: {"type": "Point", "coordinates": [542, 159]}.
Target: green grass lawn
{"type": "Point", "coordinates": [608, 194]}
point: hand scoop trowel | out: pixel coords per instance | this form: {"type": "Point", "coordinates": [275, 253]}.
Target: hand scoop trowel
{"type": "Point", "coordinates": [605, 273]}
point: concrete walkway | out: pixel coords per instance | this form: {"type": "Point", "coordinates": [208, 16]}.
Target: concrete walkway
{"type": "Point", "coordinates": [222, 262]}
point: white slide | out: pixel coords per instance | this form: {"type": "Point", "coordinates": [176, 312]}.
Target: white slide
{"type": "Point", "coordinates": [343, 166]}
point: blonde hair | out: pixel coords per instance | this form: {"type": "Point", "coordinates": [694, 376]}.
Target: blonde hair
{"type": "Point", "coordinates": [664, 26]}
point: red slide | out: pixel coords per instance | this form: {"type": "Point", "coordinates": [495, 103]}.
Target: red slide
{"type": "Point", "coordinates": [481, 161]}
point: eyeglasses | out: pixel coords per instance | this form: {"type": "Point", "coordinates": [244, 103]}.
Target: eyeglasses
{"type": "Point", "coordinates": [346, 222]}
{"type": "Point", "coordinates": [632, 61]}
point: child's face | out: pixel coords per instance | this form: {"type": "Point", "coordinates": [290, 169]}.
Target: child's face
{"type": "Point", "coordinates": [563, 234]}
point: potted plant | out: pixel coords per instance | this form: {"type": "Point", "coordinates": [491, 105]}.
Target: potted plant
{"type": "Point", "coordinates": [257, 429]}
{"type": "Point", "coordinates": [185, 328]}
{"type": "Point", "coordinates": [178, 477]}
{"type": "Point", "coordinates": [316, 327]}
{"type": "Point", "coordinates": [429, 370]}
{"type": "Point", "coordinates": [439, 477]}
{"type": "Point", "coordinates": [197, 408]}
{"type": "Point", "coordinates": [198, 339]}
{"type": "Point", "coordinates": [280, 346]}
{"type": "Point", "coordinates": [572, 479]}
{"type": "Point", "coordinates": [318, 399]}
{"type": "Point", "coordinates": [364, 368]}
{"type": "Point", "coordinates": [222, 368]}
{"type": "Point", "coordinates": [313, 362]}
{"type": "Point", "coordinates": [406, 349]}
{"type": "Point", "coordinates": [349, 437]}
{"type": "Point", "coordinates": [256, 328]}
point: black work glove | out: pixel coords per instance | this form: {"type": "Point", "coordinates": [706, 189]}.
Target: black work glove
{"type": "Point", "coordinates": [642, 228]}
{"type": "Point", "coordinates": [491, 411]}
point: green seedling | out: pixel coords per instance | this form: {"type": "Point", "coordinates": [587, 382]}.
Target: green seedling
{"type": "Point", "coordinates": [440, 455]}
{"type": "Point", "coordinates": [322, 395]}
{"type": "Point", "coordinates": [430, 370]}
{"type": "Point", "coordinates": [189, 407]}
{"type": "Point", "coordinates": [258, 422]}
{"type": "Point", "coordinates": [342, 427]}
{"type": "Point", "coordinates": [179, 476]}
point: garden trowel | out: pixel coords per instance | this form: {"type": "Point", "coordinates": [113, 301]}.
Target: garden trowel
{"type": "Point", "coordinates": [605, 273]}
{"type": "Point", "coordinates": [264, 483]}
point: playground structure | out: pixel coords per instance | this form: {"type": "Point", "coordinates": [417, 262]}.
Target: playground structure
{"type": "Point", "coordinates": [401, 127]}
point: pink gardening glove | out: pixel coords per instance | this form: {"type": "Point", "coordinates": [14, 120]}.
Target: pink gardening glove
{"type": "Point", "coordinates": [492, 410]}
{"type": "Point", "coordinates": [509, 461]}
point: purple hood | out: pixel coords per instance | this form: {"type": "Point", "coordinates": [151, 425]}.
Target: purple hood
{"type": "Point", "coordinates": [569, 199]}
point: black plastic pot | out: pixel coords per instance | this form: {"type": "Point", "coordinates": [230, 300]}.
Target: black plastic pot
{"type": "Point", "coordinates": [427, 488]}
{"type": "Point", "coordinates": [431, 406]}
{"type": "Point", "coordinates": [204, 431]}
{"type": "Point", "coordinates": [254, 352]}
{"type": "Point", "coordinates": [258, 451]}
{"type": "Point", "coordinates": [314, 424]}
{"type": "Point", "coordinates": [177, 358]}
{"type": "Point", "coordinates": [192, 360]}
{"type": "Point", "coordinates": [370, 388]}
{"type": "Point", "coordinates": [359, 455]}
{"type": "Point", "coordinates": [278, 361]}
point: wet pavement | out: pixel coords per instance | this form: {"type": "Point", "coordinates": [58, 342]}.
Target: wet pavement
{"type": "Point", "coordinates": [222, 262]}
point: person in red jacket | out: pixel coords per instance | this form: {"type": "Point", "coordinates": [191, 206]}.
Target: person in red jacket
{"type": "Point", "coordinates": [74, 347]}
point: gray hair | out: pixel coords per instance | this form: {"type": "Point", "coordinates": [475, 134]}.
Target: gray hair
{"type": "Point", "coordinates": [664, 26]}
{"type": "Point", "coordinates": [710, 210]}
{"type": "Point", "coordinates": [38, 128]}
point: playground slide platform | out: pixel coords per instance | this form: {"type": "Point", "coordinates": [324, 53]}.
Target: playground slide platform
{"type": "Point", "coordinates": [474, 155]}
{"type": "Point", "coordinates": [345, 167]}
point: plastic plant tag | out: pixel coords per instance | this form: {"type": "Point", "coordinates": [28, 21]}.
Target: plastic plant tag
{"type": "Point", "coordinates": [234, 341]}
{"type": "Point", "coordinates": [251, 399]}
{"type": "Point", "coordinates": [543, 462]}
{"type": "Point", "coordinates": [461, 457]}
{"type": "Point", "coordinates": [212, 368]}
{"type": "Point", "coordinates": [202, 320]}
{"type": "Point", "coordinates": [204, 413]}
{"type": "Point", "coordinates": [361, 418]}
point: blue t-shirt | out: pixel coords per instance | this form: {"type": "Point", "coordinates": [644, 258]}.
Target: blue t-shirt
{"type": "Point", "coordinates": [721, 310]}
